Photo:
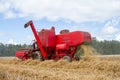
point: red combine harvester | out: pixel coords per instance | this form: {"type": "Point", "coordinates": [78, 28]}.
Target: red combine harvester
{"type": "Point", "coordinates": [48, 45]}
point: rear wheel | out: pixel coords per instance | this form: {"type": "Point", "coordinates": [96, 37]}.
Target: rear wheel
{"type": "Point", "coordinates": [67, 58]}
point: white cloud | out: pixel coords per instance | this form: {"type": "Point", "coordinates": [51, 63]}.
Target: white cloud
{"type": "Point", "coordinates": [1, 33]}
{"type": "Point", "coordinates": [107, 30]}
{"type": "Point", "coordinates": [30, 37]}
{"type": "Point", "coordinates": [111, 27]}
{"type": "Point", "coordinates": [117, 37]}
{"type": "Point", "coordinates": [73, 10]}
{"type": "Point", "coordinates": [110, 30]}
{"type": "Point", "coordinates": [11, 41]}
{"type": "Point", "coordinates": [4, 6]}
{"type": "Point", "coordinates": [10, 14]}
{"type": "Point", "coordinates": [99, 38]}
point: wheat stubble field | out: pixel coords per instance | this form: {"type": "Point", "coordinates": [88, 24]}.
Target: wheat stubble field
{"type": "Point", "coordinates": [92, 68]}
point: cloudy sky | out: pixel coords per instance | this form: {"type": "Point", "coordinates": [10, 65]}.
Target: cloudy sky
{"type": "Point", "coordinates": [101, 18]}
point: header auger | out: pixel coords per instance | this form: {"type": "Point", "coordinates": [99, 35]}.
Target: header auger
{"type": "Point", "coordinates": [48, 45]}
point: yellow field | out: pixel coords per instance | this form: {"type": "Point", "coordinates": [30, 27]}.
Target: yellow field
{"type": "Point", "coordinates": [102, 68]}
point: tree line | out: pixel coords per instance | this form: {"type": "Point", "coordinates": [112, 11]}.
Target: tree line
{"type": "Point", "coordinates": [103, 47]}
{"type": "Point", "coordinates": [10, 49]}
{"type": "Point", "coordinates": [106, 47]}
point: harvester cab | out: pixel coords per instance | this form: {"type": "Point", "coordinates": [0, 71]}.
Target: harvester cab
{"type": "Point", "coordinates": [48, 45]}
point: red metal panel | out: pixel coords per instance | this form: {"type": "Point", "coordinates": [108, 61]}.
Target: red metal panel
{"type": "Point", "coordinates": [73, 38]}
{"type": "Point", "coordinates": [86, 37]}
{"type": "Point", "coordinates": [63, 38]}
{"type": "Point", "coordinates": [62, 47]}
{"type": "Point", "coordinates": [47, 37]}
{"type": "Point", "coordinates": [20, 54]}
{"type": "Point", "coordinates": [76, 38]}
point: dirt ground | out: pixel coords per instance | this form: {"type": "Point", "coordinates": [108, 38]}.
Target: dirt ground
{"type": "Point", "coordinates": [92, 68]}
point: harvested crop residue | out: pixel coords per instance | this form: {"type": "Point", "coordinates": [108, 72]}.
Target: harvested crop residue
{"type": "Point", "coordinates": [85, 69]}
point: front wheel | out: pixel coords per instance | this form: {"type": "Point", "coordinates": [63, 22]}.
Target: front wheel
{"type": "Point", "coordinates": [37, 55]}
{"type": "Point", "coordinates": [67, 58]}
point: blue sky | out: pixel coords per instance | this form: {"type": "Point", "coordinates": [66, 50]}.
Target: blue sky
{"type": "Point", "coordinates": [101, 18]}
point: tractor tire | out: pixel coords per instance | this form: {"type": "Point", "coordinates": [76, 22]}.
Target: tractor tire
{"type": "Point", "coordinates": [67, 58]}
{"type": "Point", "coordinates": [37, 55]}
